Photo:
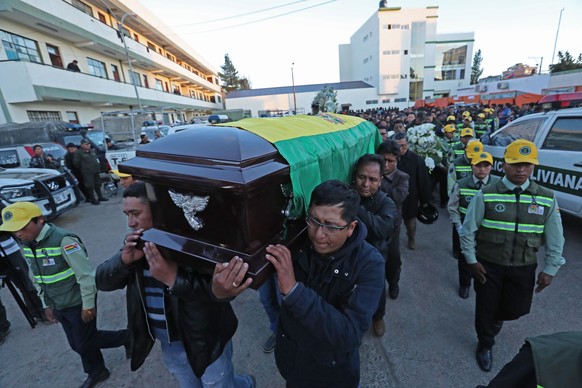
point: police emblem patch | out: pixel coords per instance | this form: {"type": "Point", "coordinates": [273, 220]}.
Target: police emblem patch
{"type": "Point", "coordinates": [500, 208]}
{"type": "Point", "coordinates": [468, 198]}
{"type": "Point", "coordinates": [8, 216]}
{"type": "Point", "coordinates": [525, 150]}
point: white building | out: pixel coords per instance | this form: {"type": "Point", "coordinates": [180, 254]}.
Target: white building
{"type": "Point", "coordinates": [40, 37]}
{"type": "Point", "coordinates": [399, 52]}
{"type": "Point", "coordinates": [284, 99]}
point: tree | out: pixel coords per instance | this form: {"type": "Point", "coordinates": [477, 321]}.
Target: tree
{"type": "Point", "coordinates": [476, 70]}
{"type": "Point", "coordinates": [325, 100]}
{"type": "Point", "coordinates": [566, 62]}
{"type": "Point", "coordinates": [229, 75]}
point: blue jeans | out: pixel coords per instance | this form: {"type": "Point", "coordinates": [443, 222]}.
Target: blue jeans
{"type": "Point", "coordinates": [271, 300]}
{"type": "Point", "coordinates": [219, 374]}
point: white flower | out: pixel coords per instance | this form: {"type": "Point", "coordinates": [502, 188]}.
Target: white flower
{"type": "Point", "coordinates": [429, 163]}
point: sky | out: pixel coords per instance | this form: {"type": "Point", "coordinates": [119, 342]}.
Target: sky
{"type": "Point", "coordinates": [307, 34]}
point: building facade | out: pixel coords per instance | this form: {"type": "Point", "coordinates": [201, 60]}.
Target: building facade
{"type": "Point", "coordinates": [399, 52]}
{"type": "Point", "coordinates": [125, 59]}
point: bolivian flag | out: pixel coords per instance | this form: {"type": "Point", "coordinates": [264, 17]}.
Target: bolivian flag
{"type": "Point", "coordinates": [317, 148]}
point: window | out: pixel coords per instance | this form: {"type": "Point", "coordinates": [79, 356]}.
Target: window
{"type": "Point", "coordinates": [400, 100]}
{"type": "Point", "coordinates": [405, 52]}
{"type": "Point", "coordinates": [219, 99]}
{"type": "Point", "coordinates": [365, 60]}
{"type": "Point", "coordinates": [145, 81]}
{"type": "Point", "coordinates": [526, 129]}
{"type": "Point", "coordinates": [159, 85]}
{"type": "Point", "coordinates": [20, 48]}
{"type": "Point", "coordinates": [135, 37]}
{"type": "Point", "coordinates": [395, 52]}
{"type": "Point", "coordinates": [135, 78]}
{"type": "Point", "coordinates": [386, 101]}
{"type": "Point", "coordinates": [40, 115]}
{"type": "Point", "coordinates": [565, 135]}
{"type": "Point", "coordinates": [115, 73]}
{"type": "Point", "coordinates": [72, 117]}
{"type": "Point", "coordinates": [54, 55]}
{"type": "Point", "coordinates": [102, 18]}
{"type": "Point", "coordinates": [386, 52]}
{"type": "Point", "coordinates": [365, 38]}
{"type": "Point", "coordinates": [405, 27]}
{"type": "Point", "coordinates": [209, 79]}
{"type": "Point", "coordinates": [151, 46]}
{"type": "Point", "coordinates": [97, 68]}
{"type": "Point", "coordinates": [371, 102]}
{"type": "Point", "coordinates": [9, 158]}
{"type": "Point", "coordinates": [82, 6]}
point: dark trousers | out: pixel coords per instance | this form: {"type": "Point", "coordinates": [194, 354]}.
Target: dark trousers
{"type": "Point", "coordinates": [517, 373]}
{"type": "Point", "coordinates": [439, 176]}
{"type": "Point", "coordinates": [462, 266]}
{"type": "Point", "coordinates": [381, 311]}
{"type": "Point", "coordinates": [4, 322]}
{"type": "Point", "coordinates": [86, 340]}
{"type": "Point", "coordinates": [393, 261]}
{"type": "Point", "coordinates": [506, 295]}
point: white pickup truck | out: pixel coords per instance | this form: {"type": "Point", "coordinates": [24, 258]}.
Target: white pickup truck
{"type": "Point", "coordinates": [558, 136]}
{"type": "Point", "coordinates": [114, 157]}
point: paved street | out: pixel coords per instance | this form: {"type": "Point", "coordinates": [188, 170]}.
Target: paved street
{"type": "Point", "coordinates": [430, 340]}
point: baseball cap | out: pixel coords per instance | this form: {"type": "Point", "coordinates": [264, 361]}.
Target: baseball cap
{"type": "Point", "coordinates": [450, 128]}
{"type": "Point", "coordinates": [466, 113]}
{"type": "Point", "coordinates": [85, 141]}
{"type": "Point", "coordinates": [467, 118]}
{"type": "Point", "coordinates": [17, 215]}
{"type": "Point", "coordinates": [120, 174]}
{"type": "Point", "coordinates": [482, 157]}
{"type": "Point", "coordinates": [481, 115]}
{"type": "Point", "coordinates": [451, 118]}
{"type": "Point", "coordinates": [521, 151]}
{"type": "Point", "coordinates": [467, 132]}
{"type": "Point", "coordinates": [474, 147]}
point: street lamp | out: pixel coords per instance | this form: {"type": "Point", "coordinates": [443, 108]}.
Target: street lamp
{"type": "Point", "coordinates": [557, 32]}
{"type": "Point", "coordinates": [132, 74]}
{"type": "Point", "coordinates": [293, 83]}
{"type": "Point", "coordinates": [541, 60]}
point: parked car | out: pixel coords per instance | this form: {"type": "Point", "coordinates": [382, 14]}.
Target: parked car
{"type": "Point", "coordinates": [20, 155]}
{"type": "Point", "coordinates": [53, 191]}
{"type": "Point", "coordinates": [558, 136]}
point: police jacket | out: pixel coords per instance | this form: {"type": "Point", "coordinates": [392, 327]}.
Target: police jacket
{"type": "Point", "coordinates": [86, 162]}
{"type": "Point", "coordinates": [203, 323]}
{"type": "Point", "coordinates": [378, 213]}
{"type": "Point", "coordinates": [323, 319]}
{"type": "Point", "coordinates": [61, 269]}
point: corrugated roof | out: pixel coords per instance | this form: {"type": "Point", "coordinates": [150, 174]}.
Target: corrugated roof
{"type": "Point", "coordinates": [298, 89]}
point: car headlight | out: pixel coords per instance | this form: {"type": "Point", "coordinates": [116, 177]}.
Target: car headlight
{"type": "Point", "coordinates": [16, 192]}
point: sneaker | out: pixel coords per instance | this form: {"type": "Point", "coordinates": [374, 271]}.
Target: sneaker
{"type": "Point", "coordinates": [379, 327]}
{"type": "Point", "coordinates": [270, 343]}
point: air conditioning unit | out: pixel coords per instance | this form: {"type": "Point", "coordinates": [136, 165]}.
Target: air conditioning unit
{"type": "Point", "coordinates": [502, 85]}
{"type": "Point", "coordinates": [481, 88]}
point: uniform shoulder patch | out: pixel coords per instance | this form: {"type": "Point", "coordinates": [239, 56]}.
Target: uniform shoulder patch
{"type": "Point", "coordinates": [74, 247]}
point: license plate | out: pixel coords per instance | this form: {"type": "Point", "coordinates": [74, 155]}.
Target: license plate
{"type": "Point", "coordinates": [60, 198]}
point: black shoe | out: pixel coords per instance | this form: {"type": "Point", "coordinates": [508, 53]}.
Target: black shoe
{"type": "Point", "coordinates": [127, 346]}
{"type": "Point", "coordinates": [103, 199]}
{"type": "Point", "coordinates": [464, 292]}
{"type": "Point", "coordinates": [484, 358]}
{"type": "Point", "coordinates": [393, 291]}
{"type": "Point", "coordinates": [270, 343]}
{"type": "Point", "coordinates": [96, 378]}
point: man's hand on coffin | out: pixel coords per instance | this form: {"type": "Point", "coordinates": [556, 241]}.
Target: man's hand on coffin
{"type": "Point", "coordinates": [281, 259]}
{"type": "Point", "coordinates": [228, 279]}
{"type": "Point", "coordinates": [161, 269]}
{"type": "Point", "coordinates": [131, 251]}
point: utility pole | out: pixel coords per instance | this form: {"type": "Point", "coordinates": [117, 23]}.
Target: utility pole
{"type": "Point", "coordinates": [293, 83]}
{"type": "Point", "coordinates": [557, 32]}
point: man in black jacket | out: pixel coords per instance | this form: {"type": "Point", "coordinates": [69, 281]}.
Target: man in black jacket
{"type": "Point", "coordinates": [395, 185]}
{"type": "Point", "coordinates": [419, 188]}
{"type": "Point", "coordinates": [330, 291]}
{"type": "Point", "coordinates": [378, 212]}
{"type": "Point", "coordinates": [188, 312]}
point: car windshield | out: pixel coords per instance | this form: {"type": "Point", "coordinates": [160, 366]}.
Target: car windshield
{"type": "Point", "coordinates": [98, 137]}
{"type": "Point", "coordinates": [525, 129]}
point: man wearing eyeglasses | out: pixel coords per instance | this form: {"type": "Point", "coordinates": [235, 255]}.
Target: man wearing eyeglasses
{"type": "Point", "coordinates": [330, 287]}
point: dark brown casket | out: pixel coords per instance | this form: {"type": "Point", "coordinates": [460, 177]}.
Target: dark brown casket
{"type": "Point", "coordinates": [217, 192]}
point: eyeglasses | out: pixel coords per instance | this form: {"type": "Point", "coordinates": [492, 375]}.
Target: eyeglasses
{"type": "Point", "coordinates": [327, 229]}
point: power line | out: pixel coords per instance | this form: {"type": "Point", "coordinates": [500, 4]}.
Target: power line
{"type": "Point", "coordinates": [237, 16]}
{"type": "Point", "coordinates": [255, 21]}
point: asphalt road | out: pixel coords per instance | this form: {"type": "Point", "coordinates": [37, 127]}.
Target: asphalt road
{"type": "Point", "coordinates": [430, 339]}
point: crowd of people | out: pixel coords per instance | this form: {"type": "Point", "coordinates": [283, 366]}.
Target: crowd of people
{"type": "Point", "coordinates": [325, 294]}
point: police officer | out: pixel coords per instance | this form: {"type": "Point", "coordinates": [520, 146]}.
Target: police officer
{"type": "Point", "coordinates": [63, 273]}
{"type": "Point", "coordinates": [506, 223]}
{"type": "Point", "coordinates": [460, 167]}
{"type": "Point", "coordinates": [481, 127]}
{"type": "Point", "coordinates": [463, 192]}
{"type": "Point", "coordinates": [467, 134]}
{"type": "Point", "coordinates": [86, 161]}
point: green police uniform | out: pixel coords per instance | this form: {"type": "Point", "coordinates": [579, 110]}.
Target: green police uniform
{"type": "Point", "coordinates": [459, 168]}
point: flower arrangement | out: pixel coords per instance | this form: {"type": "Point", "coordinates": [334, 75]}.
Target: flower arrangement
{"type": "Point", "coordinates": [423, 140]}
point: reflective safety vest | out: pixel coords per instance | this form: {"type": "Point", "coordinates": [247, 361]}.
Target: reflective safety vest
{"type": "Point", "coordinates": [467, 190]}
{"type": "Point", "coordinates": [459, 149]}
{"type": "Point", "coordinates": [52, 272]}
{"type": "Point", "coordinates": [480, 129]}
{"type": "Point", "coordinates": [512, 232]}
{"type": "Point", "coordinates": [462, 168]}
